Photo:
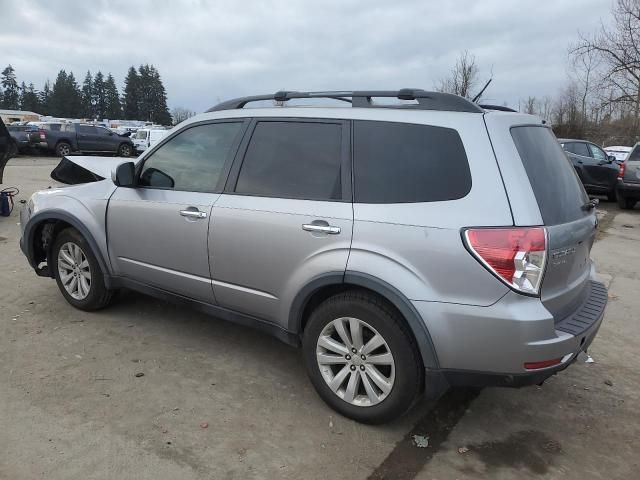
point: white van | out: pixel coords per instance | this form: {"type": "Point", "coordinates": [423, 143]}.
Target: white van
{"type": "Point", "coordinates": [147, 137]}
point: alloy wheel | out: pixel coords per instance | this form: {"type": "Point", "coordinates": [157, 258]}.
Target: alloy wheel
{"type": "Point", "coordinates": [355, 361]}
{"type": "Point", "coordinates": [74, 271]}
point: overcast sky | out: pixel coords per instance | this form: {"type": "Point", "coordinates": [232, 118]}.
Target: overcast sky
{"type": "Point", "coordinates": [211, 50]}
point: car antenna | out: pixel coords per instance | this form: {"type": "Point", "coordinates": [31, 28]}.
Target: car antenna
{"type": "Point", "coordinates": [477, 97]}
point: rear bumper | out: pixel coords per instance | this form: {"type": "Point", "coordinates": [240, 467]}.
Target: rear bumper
{"type": "Point", "coordinates": [480, 346]}
{"type": "Point", "coordinates": [629, 190]}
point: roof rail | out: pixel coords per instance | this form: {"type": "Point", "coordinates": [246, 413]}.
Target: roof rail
{"type": "Point", "coordinates": [363, 99]}
{"type": "Point", "coordinates": [499, 108]}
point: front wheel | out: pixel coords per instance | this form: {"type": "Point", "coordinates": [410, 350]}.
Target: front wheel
{"type": "Point", "coordinates": [124, 150]}
{"type": "Point", "coordinates": [78, 272]}
{"type": "Point", "coordinates": [361, 358]}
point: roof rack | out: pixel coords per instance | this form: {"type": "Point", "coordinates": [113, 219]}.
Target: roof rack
{"type": "Point", "coordinates": [499, 108]}
{"type": "Point", "coordinates": [363, 99]}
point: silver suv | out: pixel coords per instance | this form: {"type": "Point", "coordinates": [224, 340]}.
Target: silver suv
{"type": "Point", "coordinates": [405, 247]}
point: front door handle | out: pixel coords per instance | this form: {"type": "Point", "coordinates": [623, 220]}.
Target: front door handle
{"type": "Point", "coordinates": [193, 213]}
{"type": "Point", "coordinates": [330, 229]}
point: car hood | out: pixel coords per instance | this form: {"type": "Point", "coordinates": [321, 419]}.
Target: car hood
{"type": "Point", "coordinates": [73, 170]}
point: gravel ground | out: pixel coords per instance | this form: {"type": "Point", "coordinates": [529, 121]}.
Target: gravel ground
{"type": "Point", "coordinates": [220, 401]}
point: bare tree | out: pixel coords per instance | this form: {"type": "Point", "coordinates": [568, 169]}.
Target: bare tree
{"type": "Point", "coordinates": [618, 49]}
{"type": "Point", "coordinates": [531, 106]}
{"type": "Point", "coordinates": [180, 114]}
{"type": "Point", "coordinates": [463, 78]}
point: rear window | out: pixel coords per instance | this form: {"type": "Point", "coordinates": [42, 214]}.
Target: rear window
{"type": "Point", "coordinates": [407, 163]}
{"type": "Point", "coordinates": [554, 181]}
{"type": "Point", "coordinates": [634, 156]}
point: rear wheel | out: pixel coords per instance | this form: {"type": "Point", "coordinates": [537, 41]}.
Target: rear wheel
{"type": "Point", "coordinates": [63, 149]}
{"type": "Point", "coordinates": [626, 203]}
{"type": "Point", "coordinates": [78, 272]}
{"type": "Point", "coordinates": [124, 150]}
{"type": "Point", "coordinates": [361, 358]}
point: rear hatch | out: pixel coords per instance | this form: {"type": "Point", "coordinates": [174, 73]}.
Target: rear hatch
{"type": "Point", "coordinates": [565, 212]}
{"type": "Point", "coordinates": [632, 166]}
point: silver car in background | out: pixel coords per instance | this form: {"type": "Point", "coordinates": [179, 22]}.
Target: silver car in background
{"type": "Point", "coordinates": [404, 247]}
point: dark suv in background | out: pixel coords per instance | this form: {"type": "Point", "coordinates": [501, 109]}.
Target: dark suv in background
{"type": "Point", "coordinates": [628, 186]}
{"type": "Point", "coordinates": [598, 171]}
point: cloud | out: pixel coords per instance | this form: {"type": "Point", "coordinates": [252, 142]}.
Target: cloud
{"type": "Point", "coordinates": [209, 51]}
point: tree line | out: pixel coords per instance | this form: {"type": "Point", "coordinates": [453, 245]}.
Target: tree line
{"type": "Point", "coordinates": [600, 101]}
{"type": "Point", "coordinates": [144, 96]}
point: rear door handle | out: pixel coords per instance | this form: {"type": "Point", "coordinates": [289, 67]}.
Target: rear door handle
{"type": "Point", "coordinates": [193, 213]}
{"type": "Point", "coordinates": [330, 229]}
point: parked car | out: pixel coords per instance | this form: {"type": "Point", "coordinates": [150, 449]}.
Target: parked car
{"type": "Point", "coordinates": [24, 137]}
{"type": "Point", "coordinates": [65, 138]}
{"type": "Point", "coordinates": [147, 137]}
{"type": "Point", "coordinates": [342, 230]}
{"type": "Point", "coordinates": [598, 171]}
{"type": "Point", "coordinates": [628, 185]}
{"type": "Point", "coordinates": [6, 148]}
{"type": "Point", "coordinates": [618, 151]}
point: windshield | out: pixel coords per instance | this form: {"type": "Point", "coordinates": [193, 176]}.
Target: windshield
{"type": "Point", "coordinates": [142, 134]}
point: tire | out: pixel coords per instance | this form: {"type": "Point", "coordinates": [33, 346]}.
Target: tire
{"type": "Point", "coordinates": [63, 149]}
{"type": "Point", "coordinates": [405, 375]}
{"type": "Point", "coordinates": [626, 203]}
{"type": "Point", "coordinates": [92, 297]}
{"type": "Point", "coordinates": [124, 150]}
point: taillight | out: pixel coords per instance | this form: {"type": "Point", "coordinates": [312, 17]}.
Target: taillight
{"type": "Point", "coordinates": [517, 256]}
{"type": "Point", "coordinates": [42, 135]}
{"type": "Point", "coordinates": [621, 170]}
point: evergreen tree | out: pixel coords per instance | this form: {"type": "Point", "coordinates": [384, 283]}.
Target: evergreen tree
{"type": "Point", "coordinates": [99, 96]}
{"type": "Point", "coordinates": [11, 95]}
{"type": "Point", "coordinates": [161, 113]}
{"type": "Point", "coordinates": [23, 90]}
{"type": "Point", "coordinates": [87, 97]}
{"type": "Point", "coordinates": [58, 98]}
{"type": "Point", "coordinates": [131, 95]}
{"type": "Point", "coordinates": [44, 99]}
{"type": "Point", "coordinates": [74, 95]}
{"type": "Point", "coordinates": [30, 100]}
{"type": "Point", "coordinates": [112, 97]}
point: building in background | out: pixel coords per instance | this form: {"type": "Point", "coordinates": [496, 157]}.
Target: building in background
{"type": "Point", "coordinates": [12, 116]}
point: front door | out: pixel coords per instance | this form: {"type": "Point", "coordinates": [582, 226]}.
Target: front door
{"type": "Point", "coordinates": [87, 138]}
{"type": "Point", "coordinates": [157, 232]}
{"type": "Point", "coordinates": [285, 218]}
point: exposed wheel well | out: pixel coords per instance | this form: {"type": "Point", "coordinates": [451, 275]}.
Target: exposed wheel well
{"type": "Point", "coordinates": [43, 238]}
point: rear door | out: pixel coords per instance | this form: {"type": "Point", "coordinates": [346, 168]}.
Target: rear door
{"type": "Point", "coordinates": [285, 217]}
{"type": "Point", "coordinates": [157, 232]}
{"type": "Point", "coordinates": [570, 226]}
{"type": "Point", "coordinates": [106, 140]}
{"type": "Point", "coordinates": [632, 166]}
{"type": "Point", "coordinates": [87, 138]}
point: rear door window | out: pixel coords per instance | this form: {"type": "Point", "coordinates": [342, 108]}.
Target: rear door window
{"type": "Point", "coordinates": [299, 160]}
{"type": "Point", "coordinates": [408, 163]}
{"type": "Point", "coordinates": [554, 181]}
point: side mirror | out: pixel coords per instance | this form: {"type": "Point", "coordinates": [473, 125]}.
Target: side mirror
{"type": "Point", "coordinates": [611, 158]}
{"type": "Point", "coordinates": [124, 174]}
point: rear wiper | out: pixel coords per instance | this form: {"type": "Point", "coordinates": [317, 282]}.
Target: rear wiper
{"type": "Point", "coordinates": [591, 204]}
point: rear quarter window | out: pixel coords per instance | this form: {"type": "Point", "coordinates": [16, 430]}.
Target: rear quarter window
{"type": "Point", "coordinates": [408, 163]}
{"type": "Point", "coordinates": [554, 181]}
